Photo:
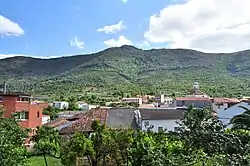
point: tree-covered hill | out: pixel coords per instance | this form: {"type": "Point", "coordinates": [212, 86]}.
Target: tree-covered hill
{"type": "Point", "coordinates": [167, 70]}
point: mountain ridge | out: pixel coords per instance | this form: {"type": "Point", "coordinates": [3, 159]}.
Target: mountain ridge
{"type": "Point", "coordinates": [158, 68]}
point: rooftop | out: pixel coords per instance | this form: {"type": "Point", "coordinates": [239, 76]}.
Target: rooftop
{"type": "Point", "coordinates": [155, 114]}
{"type": "Point", "coordinates": [193, 99]}
{"type": "Point", "coordinates": [57, 122]}
{"type": "Point", "coordinates": [226, 100]}
{"type": "Point", "coordinates": [15, 94]}
{"type": "Point", "coordinates": [83, 121]}
{"type": "Point", "coordinates": [121, 118]}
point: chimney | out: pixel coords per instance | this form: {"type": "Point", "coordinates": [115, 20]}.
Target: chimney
{"type": "Point", "coordinates": [5, 88]}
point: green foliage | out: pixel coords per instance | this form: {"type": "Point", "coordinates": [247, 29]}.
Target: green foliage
{"type": "Point", "coordinates": [200, 140]}
{"type": "Point", "coordinates": [51, 111]}
{"type": "Point", "coordinates": [12, 151]}
{"type": "Point", "coordinates": [128, 70]}
{"type": "Point", "coordinates": [241, 121]}
{"type": "Point", "coordinates": [47, 142]}
{"type": "Point", "coordinates": [39, 161]}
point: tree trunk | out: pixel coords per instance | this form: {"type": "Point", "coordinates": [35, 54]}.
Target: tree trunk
{"type": "Point", "coordinates": [94, 163]}
{"type": "Point", "coordinates": [45, 160]}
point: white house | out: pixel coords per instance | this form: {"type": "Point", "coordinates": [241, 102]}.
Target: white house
{"type": "Point", "coordinates": [82, 105]}
{"type": "Point", "coordinates": [45, 119]}
{"type": "Point", "coordinates": [226, 115]}
{"type": "Point", "coordinates": [60, 105]}
{"type": "Point", "coordinates": [132, 100]}
{"type": "Point", "coordinates": [159, 98]}
{"type": "Point", "coordinates": [158, 120]}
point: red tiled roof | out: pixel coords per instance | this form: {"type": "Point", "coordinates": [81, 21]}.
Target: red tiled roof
{"type": "Point", "coordinates": [57, 122]}
{"type": "Point", "coordinates": [85, 120]}
{"type": "Point", "coordinates": [193, 98]}
{"type": "Point", "coordinates": [226, 100]}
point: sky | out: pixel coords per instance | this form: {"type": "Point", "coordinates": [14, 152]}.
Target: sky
{"type": "Point", "coordinates": [54, 28]}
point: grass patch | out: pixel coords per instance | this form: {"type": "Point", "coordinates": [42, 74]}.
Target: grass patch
{"type": "Point", "coordinates": [39, 161]}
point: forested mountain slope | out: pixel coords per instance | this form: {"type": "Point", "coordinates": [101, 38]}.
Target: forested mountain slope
{"type": "Point", "coordinates": [169, 70]}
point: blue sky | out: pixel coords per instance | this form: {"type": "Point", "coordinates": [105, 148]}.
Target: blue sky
{"type": "Point", "coordinates": [48, 28]}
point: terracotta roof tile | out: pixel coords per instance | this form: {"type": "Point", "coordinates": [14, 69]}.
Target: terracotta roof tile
{"type": "Point", "coordinates": [226, 100]}
{"type": "Point", "coordinates": [193, 98]}
{"type": "Point", "coordinates": [84, 121]}
{"type": "Point", "coordinates": [57, 122]}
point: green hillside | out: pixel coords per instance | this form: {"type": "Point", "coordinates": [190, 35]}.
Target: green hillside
{"type": "Point", "coordinates": [131, 69]}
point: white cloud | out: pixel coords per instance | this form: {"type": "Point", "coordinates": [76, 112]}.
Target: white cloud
{"type": "Point", "coordinates": [2, 56]}
{"type": "Point", "coordinates": [143, 44]}
{"type": "Point", "coordinates": [75, 42]}
{"type": "Point", "coordinates": [8, 27]}
{"type": "Point", "coordinates": [118, 43]}
{"type": "Point", "coordinates": [206, 25]}
{"type": "Point", "coordinates": [112, 28]}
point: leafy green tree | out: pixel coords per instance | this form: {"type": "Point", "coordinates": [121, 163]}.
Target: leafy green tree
{"type": "Point", "coordinates": [95, 148]}
{"type": "Point", "coordinates": [78, 147]}
{"type": "Point", "coordinates": [47, 142]}
{"type": "Point", "coordinates": [51, 111]}
{"type": "Point", "coordinates": [241, 121]}
{"type": "Point", "coordinates": [12, 137]}
{"type": "Point", "coordinates": [201, 131]}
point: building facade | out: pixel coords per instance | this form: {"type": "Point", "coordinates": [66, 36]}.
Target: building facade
{"type": "Point", "coordinates": [22, 106]}
{"type": "Point", "coordinates": [198, 102]}
{"type": "Point", "coordinates": [60, 105]}
{"type": "Point", "coordinates": [158, 120]}
{"type": "Point", "coordinates": [132, 100]}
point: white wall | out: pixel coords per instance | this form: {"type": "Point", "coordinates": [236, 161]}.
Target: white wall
{"type": "Point", "coordinates": [45, 119]}
{"type": "Point", "coordinates": [61, 105]}
{"type": "Point", "coordinates": [83, 106]}
{"type": "Point", "coordinates": [219, 107]}
{"type": "Point", "coordinates": [166, 124]}
{"type": "Point", "coordinates": [226, 115]}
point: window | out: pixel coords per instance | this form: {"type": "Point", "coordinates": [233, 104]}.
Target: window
{"type": "Point", "coordinates": [26, 99]}
{"type": "Point", "coordinates": [1, 98]}
{"type": "Point", "coordinates": [176, 128]}
{"type": "Point", "coordinates": [38, 114]}
{"type": "Point", "coordinates": [160, 129]}
{"type": "Point", "coordinates": [22, 115]}
{"type": "Point", "coordinates": [146, 123]}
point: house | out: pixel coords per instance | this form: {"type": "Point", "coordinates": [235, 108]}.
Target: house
{"type": "Point", "coordinates": [26, 110]}
{"type": "Point", "coordinates": [82, 122]}
{"type": "Point", "coordinates": [82, 105]}
{"type": "Point", "coordinates": [121, 118]}
{"type": "Point", "coordinates": [45, 119]}
{"type": "Point", "coordinates": [198, 102]}
{"type": "Point", "coordinates": [226, 115]}
{"type": "Point", "coordinates": [168, 100]}
{"type": "Point", "coordinates": [159, 98]}
{"type": "Point", "coordinates": [158, 120]}
{"type": "Point", "coordinates": [223, 103]}
{"type": "Point", "coordinates": [132, 100]}
{"type": "Point", "coordinates": [67, 114]}
{"type": "Point", "coordinates": [60, 105]}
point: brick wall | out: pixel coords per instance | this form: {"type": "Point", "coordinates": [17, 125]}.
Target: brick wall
{"type": "Point", "coordinates": [35, 109]}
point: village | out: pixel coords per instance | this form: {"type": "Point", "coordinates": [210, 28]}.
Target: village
{"type": "Point", "coordinates": [162, 115]}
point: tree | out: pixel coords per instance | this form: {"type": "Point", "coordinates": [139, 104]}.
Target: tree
{"type": "Point", "coordinates": [47, 142]}
{"type": "Point", "coordinates": [96, 147]}
{"type": "Point", "coordinates": [241, 121]}
{"type": "Point", "coordinates": [12, 137]}
{"type": "Point", "coordinates": [201, 131]}
{"type": "Point", "coordinates": [78, 147]}
{"type": "Point", "coordinates": [51, 111]}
